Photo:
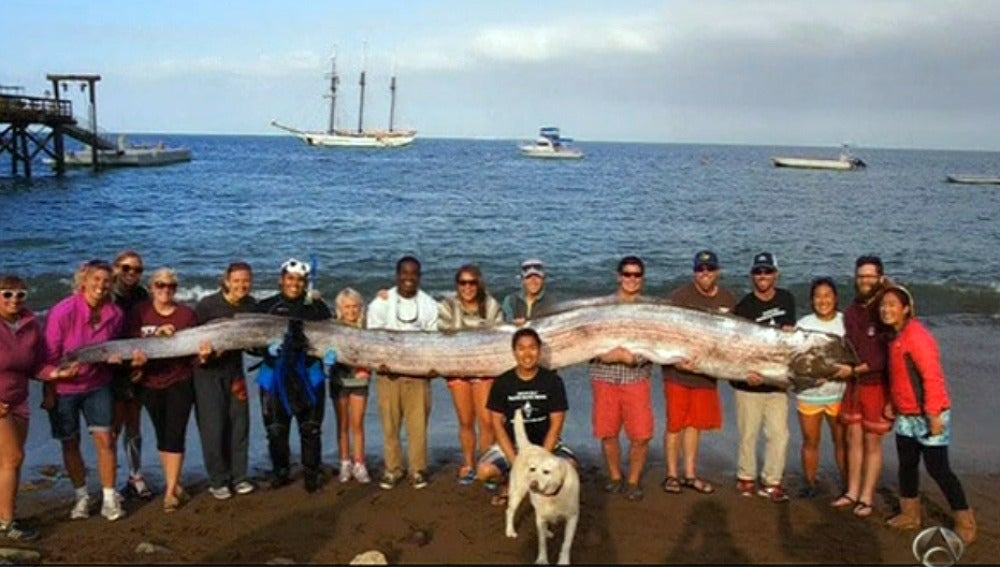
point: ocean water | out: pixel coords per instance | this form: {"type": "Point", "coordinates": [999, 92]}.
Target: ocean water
{"type": "Point", "coordinates": [264, 199]}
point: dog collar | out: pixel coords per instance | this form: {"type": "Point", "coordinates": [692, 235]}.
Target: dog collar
{"type": "Point", "coordinates": [552, 494]}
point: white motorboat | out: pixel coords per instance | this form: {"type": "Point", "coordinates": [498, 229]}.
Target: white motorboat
{"type": "Point", "coordinates": [127, 155]}
{"type": "Point", "coordinates": [974, 179]}
{"type": "Point", "coordinates": [360, 138]}
{"type": "Point", "coordinates": [846, 162]}
{"type": "Point", "coordinates": [550, 145]}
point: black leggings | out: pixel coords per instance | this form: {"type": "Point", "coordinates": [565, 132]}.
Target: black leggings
{"type": "Point", "coordinates": [936, 461]}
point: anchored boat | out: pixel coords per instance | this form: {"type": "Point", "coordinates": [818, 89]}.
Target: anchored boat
{"type": "Point", "coordinates": [550, 145]}
{"type": "Point", "coordinates": [127, 155]}
{"type": "Point", "coordinates": [359, 138]}
{"type": "Point", "coordinates": [846, 162]}
{"type": "Point", "coordinates": [974, 179]}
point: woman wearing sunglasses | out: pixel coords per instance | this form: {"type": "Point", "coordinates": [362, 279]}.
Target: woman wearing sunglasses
{"type": "Point", "coordinates": [87, 317]}
{"type": "Point", "coordinates": [127, 292]}
{"type": "Point", "coordinates": [167, 391]}
{"type": "Point", "coordinates": [21, 355]}
{"type": "Point", "coordinates": [471, 307]}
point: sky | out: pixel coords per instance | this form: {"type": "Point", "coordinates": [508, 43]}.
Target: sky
{"type": "Point", "coordinates": [873, 73]}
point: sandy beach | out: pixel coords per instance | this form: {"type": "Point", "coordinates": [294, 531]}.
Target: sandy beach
{"type": "Point", "coordinates": [446, 523]}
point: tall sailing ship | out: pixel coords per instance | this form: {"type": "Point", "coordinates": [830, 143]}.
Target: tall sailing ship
{"type": "Point", "coordinates": [360, 138]}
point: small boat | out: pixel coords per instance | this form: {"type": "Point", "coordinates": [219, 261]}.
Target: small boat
{"type": "Point", "coordinates": [360, 138]}
{"type": "Point", "coordinates": [550, 145]}
{"type": "Point", "coordinates": [127, 155]}
{"type": "Point", "coordinates": [974, 179]}
{"type": "Point", "coordinates": [846, 162]}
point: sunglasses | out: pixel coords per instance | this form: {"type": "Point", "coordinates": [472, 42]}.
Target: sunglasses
{"type": "Point", "coordinates": [468, 282]}
{"type": "Point", "coordinates": [130, 269]}
{"type": "Point", "coordinates": [762, 271]}
{"type": "Point", "coordinates": [704, 268]}
{"type": "Point", "coordinates": [18, 294]}
{"type": "Point", "coordinates": [635, 275]}
{"type": "Point", "coordinates": [165, 285]}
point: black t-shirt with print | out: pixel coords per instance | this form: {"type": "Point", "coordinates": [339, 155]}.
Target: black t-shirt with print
{"type": "Point", "coordinates": [778, 312]}
{"type": "Point", "coordinates": [537, 398]}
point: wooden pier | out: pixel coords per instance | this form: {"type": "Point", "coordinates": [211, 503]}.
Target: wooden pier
{"type": "Point", "coordinates": [32, 125]}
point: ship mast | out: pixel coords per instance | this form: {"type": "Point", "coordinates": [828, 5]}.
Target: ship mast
{"type": "Point", "coordinates": [334, 81]}
{"type": "Point", "coordinates": [392, 95]}
{"type": "Point", "coordinates": [361, 106]}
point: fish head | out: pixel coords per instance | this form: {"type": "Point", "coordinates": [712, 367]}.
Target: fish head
{"type": "Point", "coordinates": [820, 355]}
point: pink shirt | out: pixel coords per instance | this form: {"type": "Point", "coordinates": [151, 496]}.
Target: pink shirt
{"type": "Point", "coordinates": [22, 350]}
{"type": "Point", "coordinates": [68, 328]}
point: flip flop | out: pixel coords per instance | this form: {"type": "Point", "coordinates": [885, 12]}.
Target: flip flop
{"type": "Point", "coordinates": [499, 500]}
{"type": "Point", "coordinates": [672, 485]}
{"type": "Point", "coordinates": [844, 501]}
{"type": "Point", "coordinates": [698, 485]}
{"type": "Point", "coordinates": [468, 478]}
{"type": "Point", "coordinates": [613, 486]}
{"type": "Point", "coordinates": [862, 509]}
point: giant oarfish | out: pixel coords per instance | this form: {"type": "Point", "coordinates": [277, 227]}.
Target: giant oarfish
{"type": "Point", "coordinates": [721, 346]}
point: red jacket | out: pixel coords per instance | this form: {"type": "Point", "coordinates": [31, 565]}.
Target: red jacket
{"type": "Point", "coordinates": [920, 344]}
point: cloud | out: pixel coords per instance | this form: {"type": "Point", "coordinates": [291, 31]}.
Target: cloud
{"type": "Point", "coordinates": [262, 66]}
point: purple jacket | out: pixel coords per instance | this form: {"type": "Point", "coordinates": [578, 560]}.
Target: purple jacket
{"type": "Point", "coordinates": [22, 351]}
{"type": "Point", "coordinates": [67, 328]}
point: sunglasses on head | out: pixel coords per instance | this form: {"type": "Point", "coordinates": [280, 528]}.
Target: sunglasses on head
{"type": "Point", "coordinates": [165, 285]}
{"type": "Point", "coordinates": [130, 269]}
{"type": "Point", "coordinates": [704, 268]}
{"type": "Point", "coordinates": [14, 293]}
{"type": "Point", "coordinates": [762, 271]}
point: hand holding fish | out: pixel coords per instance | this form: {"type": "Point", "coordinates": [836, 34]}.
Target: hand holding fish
{"type": "Point", "coordinates": [687, 365]}
{"type": "Point", "coordinates": [4, 409]}
{"type": "Point", "coordinates": [205, 352]}
{"type": "Point", "coordinates": [755, 379]}
{"type": "Point", "coordinates": [165, 330]}
{"type": "Point", "coordinates": [65, 372]}
{"type": "Point", "coordinates": [619, 355]}
{"type": "Point", "coordinates": [842, 372]}
{"type": "Point", "coordinates": [362, 374]}
{"type": "Point", "coordinates": [888, 411]}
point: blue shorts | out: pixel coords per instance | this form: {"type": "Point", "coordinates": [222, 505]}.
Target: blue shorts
{"type": "Point", "coordinates": [494, 456]}
{"type": "Point", "coordinates": [916, 427]}
{"type": "Point", "coordinates": [97, 408]}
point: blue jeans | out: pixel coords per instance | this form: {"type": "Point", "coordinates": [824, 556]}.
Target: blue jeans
{"type": "Point", "coordinates": [97, 408]}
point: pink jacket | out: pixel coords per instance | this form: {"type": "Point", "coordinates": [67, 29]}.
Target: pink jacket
{"type": "Point", "coordinates": [920, 344]}
{"type": "Point", "coordinates": [67, 328]}
{"type": "Point", "coordinates": [22, 351]}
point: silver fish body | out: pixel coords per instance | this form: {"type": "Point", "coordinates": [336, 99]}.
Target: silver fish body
{"type": "Point", "coordinates": [721, 346]}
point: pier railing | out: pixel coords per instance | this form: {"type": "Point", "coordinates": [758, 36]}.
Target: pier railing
{"type": "Point", "coordinates": [16, 109]}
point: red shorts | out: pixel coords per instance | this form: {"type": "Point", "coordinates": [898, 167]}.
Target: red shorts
{"type": "Point", "coordinates": [864, 403]}
{"type": "Point", "coordinates": [700, 408]}
{"type": "Point", "coordinates": [628, 404]}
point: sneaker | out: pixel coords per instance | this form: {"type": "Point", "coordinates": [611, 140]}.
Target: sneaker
{"type": "Point", "coordinates": [745, 487]}
{"type": "Point", "coordinates": [361, 473]}
{"type": "Point", "coordinates": [112, 510]}
{"type": "Point", "coordinates": [244, 487]}
{"type": "Point", "coordinates": [220, 493]}
{"type": "Point", "coordinates": [775, 493]}
{"type": "Point", "coordinates": [138, 487]}
{"type": "Point", "coordinates": [345, 471]}
{"type": "Point", "coordinates": [418, 481]}
{"type": "Point", "coordinates": [16, 532]}
{"type": "Point", "coordinates": [388, 481]}
{"type": "Point", "coordinates": [81, 509]}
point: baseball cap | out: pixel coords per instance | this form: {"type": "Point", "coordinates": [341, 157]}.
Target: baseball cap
{"type": "Point", "coordinates": [764, 260]}
{"type": "Point", "coordinates": [532, 267]}
{"type": "Point", "coordinates": [706, 258]}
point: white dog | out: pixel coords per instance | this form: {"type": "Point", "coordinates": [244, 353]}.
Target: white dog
{"type": "Point", "coordinates": [554, 486]}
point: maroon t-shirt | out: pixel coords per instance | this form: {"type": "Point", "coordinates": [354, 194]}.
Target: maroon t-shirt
{"type": "Point", "coordinates": [868, 336]}
{"type": "Point", "coordinates": [162, 373]}
{"type": "Point", "coordinates": [688, 296]}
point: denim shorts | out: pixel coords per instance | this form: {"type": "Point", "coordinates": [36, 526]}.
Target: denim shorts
{"type": "Point", "coordinates": [97, 408]}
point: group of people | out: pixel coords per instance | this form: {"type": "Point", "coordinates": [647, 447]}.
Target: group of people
{"type": "Point", "coordinates": [898, 385]}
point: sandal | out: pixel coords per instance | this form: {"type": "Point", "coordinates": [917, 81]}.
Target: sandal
{"type": "Point", "coordinates": [698, 485]}
{"type": "Point", "coordinates": [633, 492]}
{"type": "Point", "coordinates": [672, 485]}
{"type": "Point", "coordinates": [862, 509]}
{"type": "Point", "coordinates": [844, 501]}
{"type": "Point", "coordinates": [499, 500]}
{"type": "Point", "coordinates": [613, 486]}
